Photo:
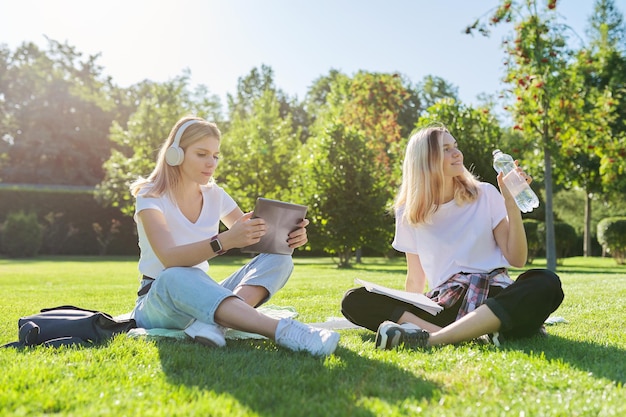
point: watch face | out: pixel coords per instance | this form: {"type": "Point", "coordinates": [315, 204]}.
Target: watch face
{"type": "Point", "coordinates": [216, 245]}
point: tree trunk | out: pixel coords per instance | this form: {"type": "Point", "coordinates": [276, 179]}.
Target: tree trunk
{"type": "Point", "coordinates": [344, 257]}
{"type": "Point", "coordinates": [550, 241]}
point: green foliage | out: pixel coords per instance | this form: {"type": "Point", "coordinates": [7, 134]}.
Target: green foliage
{"type": "Point", "coordinates": [566, 239]}
{"type": "Point", "coordinates": [612, 237]}
{"type": "Point", "coordinates": [56, 111]}
{"type": "Point", "coordinates": [161, 106]}
{"type": "Point", "coordinates": [476, 130]}
{"type": "Point", "coordinates": [21, 235]}
{"type": "Point", "coordinates": [347, 196]}
{"type": "Point", "coordinates": [569, 206]}
{"type": "Point", "coordinates": [352, 160]}
{"type": "Point", "coordinates": [432, 89]}
{"type": "Point", "coordinates": [374, 104]}
{"type": "Point", "coordinates": [562, 116]}
{"type": "Point", "coordinates": [72, 228]}
{"type": "Point", "coordinates": [260, 152]}
{"type": "Point", "coordinates": [602, 66]}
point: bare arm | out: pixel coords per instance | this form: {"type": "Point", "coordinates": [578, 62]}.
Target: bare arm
{"type": "Point", "coordinates": [243, 231]}
{"type": "Point", "coordinates": [415, 276]}
{"type": "Point", "coordinates": [509, 233]}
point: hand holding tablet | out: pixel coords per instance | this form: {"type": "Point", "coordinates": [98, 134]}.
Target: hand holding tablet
{"type": "Point", "coordinates": [281, 219]}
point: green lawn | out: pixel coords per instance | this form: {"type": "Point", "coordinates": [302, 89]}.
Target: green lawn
{"type": "Point", "coordinates": [580, 370]}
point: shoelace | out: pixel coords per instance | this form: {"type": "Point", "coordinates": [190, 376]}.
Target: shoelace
{"type": "Point", "coordinates": [299, 333]}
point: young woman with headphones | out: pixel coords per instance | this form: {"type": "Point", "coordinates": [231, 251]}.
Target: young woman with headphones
{"type": "Point", "coordinates": [178, 211]}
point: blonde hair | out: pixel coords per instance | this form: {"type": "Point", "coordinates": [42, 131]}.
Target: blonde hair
{"type": "Point", "coordinates": [421, 192]}
{"type": "Point", "coordinates": [166, 178]}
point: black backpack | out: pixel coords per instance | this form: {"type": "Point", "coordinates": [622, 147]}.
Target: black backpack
{"type": "Point", "coordinates": [68, 325]}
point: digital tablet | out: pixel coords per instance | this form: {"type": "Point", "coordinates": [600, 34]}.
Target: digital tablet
{"type": "Point", "coordinates": [281, 219]}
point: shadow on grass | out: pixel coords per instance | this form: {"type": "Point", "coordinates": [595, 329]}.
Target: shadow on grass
{"type": "Point", "coordinates": [608, 362]}
{"type": "Point", "coordinates": [601, 361]}
{"type": "Point", "coordinates": [271, 381]}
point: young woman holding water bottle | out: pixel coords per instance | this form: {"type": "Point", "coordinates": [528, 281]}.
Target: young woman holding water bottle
{"type": "Point", "coordinates": [460, 236]}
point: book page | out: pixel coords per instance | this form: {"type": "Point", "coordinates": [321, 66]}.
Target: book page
{"type": "Point", "coordinates": [418, 300]}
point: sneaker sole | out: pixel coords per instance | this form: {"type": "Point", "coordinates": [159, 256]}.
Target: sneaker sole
{"type": "Point", "coordinates": [204, 341]}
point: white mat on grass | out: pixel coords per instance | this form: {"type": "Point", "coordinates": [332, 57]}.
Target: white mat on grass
{"type": "Point", "coordinates": [277, 312]}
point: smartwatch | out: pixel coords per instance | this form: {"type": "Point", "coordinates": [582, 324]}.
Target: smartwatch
{"type": "Point", "coordinates": [217, 246]}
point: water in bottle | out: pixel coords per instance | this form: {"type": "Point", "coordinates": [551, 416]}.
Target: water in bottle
{"type": "Point", "coordinates": [525, 197]}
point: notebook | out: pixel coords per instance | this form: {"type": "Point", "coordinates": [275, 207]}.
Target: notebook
{"type": "Point", "coordinates": [281, 219]}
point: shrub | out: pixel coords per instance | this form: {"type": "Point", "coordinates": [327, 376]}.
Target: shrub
{"type": "Point", "coordinates": [565, 238]}
{"type": "Point", "coordinates": [22, 235]}
{"type": "Point", "coordinates": [612, 237]}
{"type": "Point", "coordinates": [67, 217]}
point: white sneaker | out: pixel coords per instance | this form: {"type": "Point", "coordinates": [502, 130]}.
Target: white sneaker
{"type": "Point", "coordinates": [301, 337]}
{"type": "Point", "coordinates": [207, 334]}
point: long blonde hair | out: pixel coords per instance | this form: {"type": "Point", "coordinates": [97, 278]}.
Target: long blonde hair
{"type": "Point", "coordinates": [166, 178]}
{"type": "Point", "coordinates": [422, 191]}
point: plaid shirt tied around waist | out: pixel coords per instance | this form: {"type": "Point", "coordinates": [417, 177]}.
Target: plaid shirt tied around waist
{"type": "Point", "coordinates": [475, 286]}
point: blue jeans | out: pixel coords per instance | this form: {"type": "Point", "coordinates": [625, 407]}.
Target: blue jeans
{"type": "Point", "coordinates": [180, 295]}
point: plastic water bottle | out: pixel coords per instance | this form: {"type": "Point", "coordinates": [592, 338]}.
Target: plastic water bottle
{"type": "Point", "coordinates": [525, 197]}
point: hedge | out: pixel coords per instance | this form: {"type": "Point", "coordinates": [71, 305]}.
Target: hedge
{"type": "Point", "coordinates": [73, 222]}
{"type": "Point", "coordinates": [612, 237]}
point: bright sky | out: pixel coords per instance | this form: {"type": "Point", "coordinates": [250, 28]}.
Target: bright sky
{"type": "Point", "coordinates": [222, 40]}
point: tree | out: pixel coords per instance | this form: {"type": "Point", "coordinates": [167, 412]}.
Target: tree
{"type": "Point", "coordinates": [432, 89]}
{"type": "Point", "coordinates": [598, 71]}
{"type": "Point", "coordinates": [381, 108]}
{"type": "Point", "coordinates": [546, 97]}
{"type": "Point", "coordinates": [586, 139]}
{"type": "Point", "coordinates": [347, 197]}
{"type": "Point", "coordinates": [316, 98]}
{"type": "Point", "coordinates": [57, 109]}
{"type": "Point", "coordinates": [260, 150]}
{"type": "Point", "coordinates": [374, 104]}
{"type": "Point", "coordinates": [251, 87]}
{"type": "Point", "coordinates": [605, 71]}
{"type": "Point", "coordinates": [606, 25]}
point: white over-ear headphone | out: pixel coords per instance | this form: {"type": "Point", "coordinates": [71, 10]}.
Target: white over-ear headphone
{"type": "Point", "coordinates": [175, 155]}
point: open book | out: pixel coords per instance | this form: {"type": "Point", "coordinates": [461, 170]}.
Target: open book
{"type": "Point", "coordinates": [418, 300]}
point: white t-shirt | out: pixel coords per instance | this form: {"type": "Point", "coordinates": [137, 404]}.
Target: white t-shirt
{"type": "Point", "coordinates": [216, 204]}
{"type": "Point", "coordinates": [458, 239]}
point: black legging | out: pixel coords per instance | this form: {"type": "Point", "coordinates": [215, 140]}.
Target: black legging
{"type": "Point", "coordinates": [522, 307]}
